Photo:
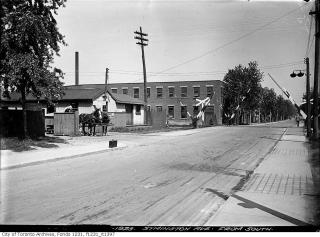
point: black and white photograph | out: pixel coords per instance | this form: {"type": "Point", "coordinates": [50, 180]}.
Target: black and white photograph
{"type": "Point", "coordinates": [159, 116]}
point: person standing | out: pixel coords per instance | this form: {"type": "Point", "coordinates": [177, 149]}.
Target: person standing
{"type": "Point", "coordinates": [297, 120]}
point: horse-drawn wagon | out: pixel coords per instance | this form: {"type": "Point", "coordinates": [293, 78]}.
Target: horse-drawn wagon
{"type": "Point", "coordinates": [97, 119]}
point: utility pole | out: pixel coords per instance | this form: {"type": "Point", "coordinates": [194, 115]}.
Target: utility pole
{"type": "Point", "coordinates": [76, 68]}
{"type": "Point", "coordinates": [142, 42]}
{"type": "Point", "coordinates": [308, 97]}
{"type": "Point", "coordinates": [316, 70]}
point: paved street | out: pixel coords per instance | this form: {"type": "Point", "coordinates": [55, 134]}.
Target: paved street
{"type": "Point", "coordinates": [172, 178]}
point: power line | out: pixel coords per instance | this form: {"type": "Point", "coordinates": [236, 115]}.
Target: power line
{"type": "Point", "coordinates": [232, 41]}
{"type": "Point", "coordinates": [310, 46]}
{"type": "Point", "coordinates": [309, 37]}
{"type": "Point", "coordinates": [201, 73]}
{"type": "Point", "coordinates": [282, 65]}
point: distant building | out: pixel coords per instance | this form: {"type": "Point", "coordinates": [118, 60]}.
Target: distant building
{"type": "Point", "coordinates": [176, 98]}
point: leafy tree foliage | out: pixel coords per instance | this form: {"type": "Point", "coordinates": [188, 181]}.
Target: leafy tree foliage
{"type": "Point", "coordinates": [274, 107]}
{"type": "Point", "coordinates": [242, 88]}
{"type": "Point", "coordinates": [268, 101]}
{"type": "Point", "coordinates": [243, 94]}
{"type": "Point", "coordinates": [29, 40]}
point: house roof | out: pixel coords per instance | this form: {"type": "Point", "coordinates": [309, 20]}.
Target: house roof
{"type": "Point", "coordinates": [72, 93]}
{"type": "Point", "coordinates": [125, 99]}
{"type": "Point", "coordinates": [81, 94]}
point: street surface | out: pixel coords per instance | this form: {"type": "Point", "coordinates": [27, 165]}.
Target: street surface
{"type": "Point", "coordinates": [171, 178]}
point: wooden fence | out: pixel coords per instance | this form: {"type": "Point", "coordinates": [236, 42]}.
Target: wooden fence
{"type": "Point", "coordinates": [66, 124]}
{"type": "Point", "coordinates": [11, 124]}
{"type": "Point", "coordinates": [120, 119]}
{"type": "Point", "coordinates": [157, 119]}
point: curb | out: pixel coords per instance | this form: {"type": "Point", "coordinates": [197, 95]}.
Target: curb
{"type": "Point", "coordinates": [60, 158]}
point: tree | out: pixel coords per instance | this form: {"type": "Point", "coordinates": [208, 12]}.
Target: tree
{"type": "Point", "coordinates": [268, 103]}
{"type": "Point", "coordinates": [274, 106]}
{"type": "Point", "coordinates": [242, 89]}
{"type": "Point", "coordinates": [29, 41]}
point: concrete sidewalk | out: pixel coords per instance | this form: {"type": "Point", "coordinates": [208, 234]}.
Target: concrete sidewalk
{"type": "Point", "coordinates": [12, 159]}
{"type": "Point", "coordinates": [281, 192]}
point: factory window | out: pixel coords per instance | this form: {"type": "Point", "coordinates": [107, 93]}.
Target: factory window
{"type": "Point", "coordinates": [148, 92]}
{"type": "Point", "coordinates": [159, 92]}
{"type": "Point", "coordinates": [184, 91]}
{"type": "Point", "coordinates": [171, 111]}
{"type": "Point", "coordinates": [196, 91]}
{"type": "Point", "coordinates": [114, 90]}
{"type": "Point", "coordinates": [135, 92]}
{"type": "Point", "coordinates": [171, 91]}
{"type": "Point", "coordinates": [159, 108]}
{"type": "Point", "coordinates": [183, 112]}
{"type": "Point", "coordinates": [125, 91]}
{"type": "Point", "coordinates": [209, 91]}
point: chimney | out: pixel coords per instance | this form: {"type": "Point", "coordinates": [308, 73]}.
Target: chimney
{"type": "Point", "coordinates": [77, 68]}
{"type": "Point", "coordinates": [107, 76]}
{"type": "Point", "coordinates": [106, 81]}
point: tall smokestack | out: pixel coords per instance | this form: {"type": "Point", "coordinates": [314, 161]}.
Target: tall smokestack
{"type": "Point", "coordinates": [106, 81]}
{"type": "Point", "coordinates": [77, 68]}
{"type": "Point", "coordinates": [107, 76]}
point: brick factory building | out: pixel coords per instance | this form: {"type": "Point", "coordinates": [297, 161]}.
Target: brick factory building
{"type": "Point", "coordinates": [174, 99]}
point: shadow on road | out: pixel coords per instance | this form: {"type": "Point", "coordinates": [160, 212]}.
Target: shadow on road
{"type": "Point", "coordinates": [19, 145]}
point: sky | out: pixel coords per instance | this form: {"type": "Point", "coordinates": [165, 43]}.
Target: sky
{"type": "Point", "coordinates": [188, 40]}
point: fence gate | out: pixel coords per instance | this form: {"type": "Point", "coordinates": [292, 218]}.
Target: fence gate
{"type": "Point", "coordinates": [66, 124]}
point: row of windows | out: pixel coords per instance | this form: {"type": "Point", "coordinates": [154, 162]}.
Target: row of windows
{"type": "Point", "coordinates": [171, 91]}
{"type": "Point", "coordinates": [183, 110]}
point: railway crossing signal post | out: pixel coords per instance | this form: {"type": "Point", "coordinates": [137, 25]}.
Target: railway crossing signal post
{"type": "Point", "coordinates": [308, 98]}
{"type": "Point", "coordinates": [139, 35]}
{"type": "Point", "coordinates": [316, 69]}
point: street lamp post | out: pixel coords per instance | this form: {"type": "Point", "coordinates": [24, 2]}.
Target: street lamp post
{"type": "Point", "coordinates": [300, 74]}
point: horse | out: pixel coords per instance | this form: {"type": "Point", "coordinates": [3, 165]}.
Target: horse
{"type": "Point", "coordinates": [103, 119]}
{"type": "Point", "coordinates": [90, 120]}
{"type": "Point", "coordinates": [86, 119]}
{"type": "Point", "coordinates": [96, 117]}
